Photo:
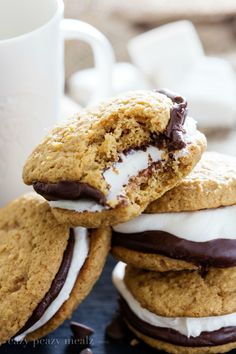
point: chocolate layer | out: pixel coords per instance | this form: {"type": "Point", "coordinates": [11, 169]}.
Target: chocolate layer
{"type": "Point", "coordinates": [56, 286]}
{"type": "Point", "coordinates": [217, 253]}
{"type": "Point", "coordinates": [206, 339]}
{"type": "Point", "coordinates": [68, 190]}
{"type": "Point", "coordinates": [174, 132]}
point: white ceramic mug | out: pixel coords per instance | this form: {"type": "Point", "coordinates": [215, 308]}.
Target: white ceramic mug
{"type": "Point", "coordinates": [32, 34]}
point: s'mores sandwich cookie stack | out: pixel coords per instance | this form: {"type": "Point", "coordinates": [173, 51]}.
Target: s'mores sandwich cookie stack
{"type": "Point", "coordinates": [178, 290]}
{"type": "Point", "coordinates": [100, 168]}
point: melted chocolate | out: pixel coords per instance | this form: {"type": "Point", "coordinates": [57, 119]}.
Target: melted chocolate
{"type": "Point", "coordinates": [68, 190]}
{"type": "Point", "coordinates": [56, 286]}
{"type": "Point", "coordinates": [217, 253]}
{"type": "Point", "coordinates": [206, 339]}
{"type": "Point", "coordinates": [175, 131]}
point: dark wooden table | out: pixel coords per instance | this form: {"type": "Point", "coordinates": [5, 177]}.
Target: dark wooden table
{"type": "Point", "coordinates": [96, 311]}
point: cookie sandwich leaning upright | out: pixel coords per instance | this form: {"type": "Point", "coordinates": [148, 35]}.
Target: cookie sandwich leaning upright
{"type": "Point", "coordinates": [108, 163]}
{"type": "Point", "coordinates": [192, 226]}
{"type": "Point", "coordinates": [46, 268]}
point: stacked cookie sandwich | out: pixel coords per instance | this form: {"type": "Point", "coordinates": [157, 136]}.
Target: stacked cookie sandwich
{"type": "Point", "coordinates": [101, 168]}
{"type": "Point", "coordinates": [178, 290]}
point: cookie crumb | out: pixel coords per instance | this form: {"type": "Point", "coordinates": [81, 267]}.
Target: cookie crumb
{"type": "Point", "coordinates": [134, 342]}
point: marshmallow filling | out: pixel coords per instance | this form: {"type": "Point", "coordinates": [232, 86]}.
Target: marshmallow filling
{"type": "Point", "coordinates": [63, 283]}
{"type": "Point", "coordinates": [188, 236]}
{"type": "Point", "coordinates": [185, 331]}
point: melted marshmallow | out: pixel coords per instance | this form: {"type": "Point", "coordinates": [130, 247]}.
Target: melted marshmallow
{"type": "Point", "coordinates": [118, 175]}
{"type": "Point", "coordinates": [80, 253]}
{"type": "Point", "coordinates": [188, 326]}
{"type": "Point", "coordinates": [199, 226]}
{"type": "Point", "coordinates": [131, 164]}
{"type": "Point", "coordinates": [117, 178]}
{"type": "Point", "coordinates": [77, 205]}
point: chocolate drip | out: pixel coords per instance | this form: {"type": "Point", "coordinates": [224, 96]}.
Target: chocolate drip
{"type": "Point", "coordinates": [175, 131]}
{"type": "Point", "coordinates": [217, 253]}
{"type": "Point", "coordinates": [68, 190]}
{"type": "Point", "coordinates": [206, 339]}
{"type": "Point", "coordinates": [56, 286]}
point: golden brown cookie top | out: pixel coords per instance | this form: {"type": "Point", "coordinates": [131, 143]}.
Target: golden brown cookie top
{"type": "Point", "coordinates": [81, 148]}
{"type": "Point", "coordinates": [184, 293]}
{"type": "Point", "coordinates": [211, 184]}
{"type": "Point", "coordinates": [32, 244]}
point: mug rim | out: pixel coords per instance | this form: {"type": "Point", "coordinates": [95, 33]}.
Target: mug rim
{"type": "Point", "coordinates": [59, 11]}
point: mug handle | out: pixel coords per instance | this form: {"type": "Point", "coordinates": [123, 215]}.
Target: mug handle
{"type": "Point", "coordinates": [104, 57]}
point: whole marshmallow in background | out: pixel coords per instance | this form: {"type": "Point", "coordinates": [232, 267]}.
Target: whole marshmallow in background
{"type": "Point", "coordinates": [68, 108]}
{"type": "Point", "coordinates": [125, 77]}
{"type": "Point", "coordinates": [172, 56]}
{"type": "Point", "coordinates": [166, 53]}
{"type": "Point", "coordinates": [210, 89]}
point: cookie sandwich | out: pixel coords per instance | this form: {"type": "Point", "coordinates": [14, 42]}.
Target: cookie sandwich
{"type": "Point", "coordinates": [185, 312]}
{"type": "Point", "coordinates": [108, 163]}
{"type": "Point", "coordinates": [46, 268]}
{"type": "Point", "coordinates": [192, 226]}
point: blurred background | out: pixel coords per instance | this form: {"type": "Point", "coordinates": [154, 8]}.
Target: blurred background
{"type": "Point", "coordinates": [189, 47]}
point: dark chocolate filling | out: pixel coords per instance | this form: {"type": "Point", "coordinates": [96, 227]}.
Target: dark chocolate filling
{"type": "Point", "coordinates": [206, 339]}
{"type": "Point", "coordinates": [173, 136]}
{"type": "Point", "coordinates": [56, 286]}
{"type": "Point", "coordinates": [217, 253]}
{"type": "Point", "coordinates": [69, 190]}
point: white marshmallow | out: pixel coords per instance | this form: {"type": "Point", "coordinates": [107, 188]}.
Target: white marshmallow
{"type": "Point", "coordinates": [125, 77]}
{"type": "Point", "coordinates": [188, 326]}
{"type": "Point", "coordinates": [131, 164]}
{"type": "Point", "coordinates": [172, 56]}
{"type": "Point", "coordinates": [80, 205]}
{"type": "Point", "coordinates": [68, 108]}
{"type": "Point", "coordinates": [197, 226]}
{"type": "Point", "coordinates": [166, 53]}
{"type": "Point", "coordinates": [117, 177]}
{"type": "Point", "coordinates": [210, 89]}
